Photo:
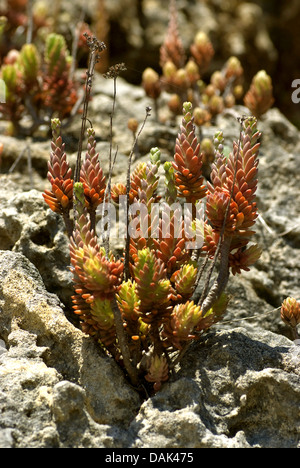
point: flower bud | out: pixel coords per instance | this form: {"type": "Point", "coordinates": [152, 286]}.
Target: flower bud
{"type": "Point", "coordinates": [169, 70]}
{"type": "Point", "coordinates": [132, 124]}
{"type": "Point", "coordinates": [192, 71]}
{"type": "Point", "coordinates": [175, 104]}
{"type": "Point", "coordinates": [202, 50]}
{"type": "Point", "coordinates": [201, 116]}
{"type": "Point", "coordinates": [151, 83]}
{"type": "Point", "coordinates": [218, 80]}
{"type": "Point", "coordinates": [233, 68]}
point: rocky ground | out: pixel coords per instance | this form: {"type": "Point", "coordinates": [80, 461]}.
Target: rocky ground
{"type": "Point", "coordinates": [238, 387]}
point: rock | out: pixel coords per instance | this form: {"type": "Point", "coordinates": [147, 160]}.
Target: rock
{"type": "Point", "coordinates": [235, 389]}
{"type": "Point", "coordinates": [48, 361]}
{"type": "Point", "coordinates": [28, 226]}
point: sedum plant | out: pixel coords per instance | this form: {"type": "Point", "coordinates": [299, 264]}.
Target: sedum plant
{"type": "Point", "coordinates": [38, 86]}
{"type": "Point", "coordinates": [185, 76]}
{"type": "Point", "coordinates": [259, 98]}
{"type": "Point", "coordinates": [146, 307]}
{"type": "Point", "coordinates": [290, 315]}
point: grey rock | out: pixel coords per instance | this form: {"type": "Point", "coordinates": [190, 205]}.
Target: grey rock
{"type": "Point", "coordinates": [51, 372]}
{"type": "Point", "coordinates": [235, 389]}
{"type": "Point", "coordinates": [28, 226]}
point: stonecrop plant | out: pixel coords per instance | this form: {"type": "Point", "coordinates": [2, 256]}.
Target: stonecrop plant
{"type": "Point", "coordinates": [38, 86]}
{"type": "Point", "coordinates": [185, 77]}
{"type": "Point", "coordinates": [147, 305]}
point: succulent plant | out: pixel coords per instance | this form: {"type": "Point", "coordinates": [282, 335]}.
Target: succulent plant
{"type": "Point", "coordinates": [158, 371]}
{"type": "Point", "coordinates": [39, 87]}
{"type": "Point", "coordinates": [188, 161]}
{"type": "Point", "coordinates": [182, 323]}
{"type": "Point", "coordinates": [231, 195]}
{"type": "Point", "coordinates": [60, 198]}
{"type": "Point", "coordinates": [172, 49]}
{"type": "Point", "coordinates": [290, 314]}
{"type": "Point", "coordinates": [146, 317]}
{"type": "Point", "coordinates": [185, 77]}
{"type": "Point", "coordinates": [202, 50]}
{"type": "Point", "coordinates": [260, 98]}
{"type": "Point", "coordinates": [92, 178]}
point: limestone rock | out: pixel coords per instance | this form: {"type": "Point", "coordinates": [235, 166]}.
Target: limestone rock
{"type": "Point", "coordinates": [48, 362]}
{"type": "Point", "coordinates": [235, 389]}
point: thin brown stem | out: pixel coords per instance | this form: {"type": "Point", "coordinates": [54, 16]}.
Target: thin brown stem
{"type": "Point", "coordinates": [132, 371]}
{"type": "Point", "coordinates": [196, 296]}
{"type": "Point", "coordinates": [68, 222]}
{"type": "Point", "coordinates": [107, 197]}
{"type": "Point", "coordinates": [222, 278]}
{"type": "Point", "coordinates": [128, 185]}
{"type": "Point", "coordinates": [95, 48]}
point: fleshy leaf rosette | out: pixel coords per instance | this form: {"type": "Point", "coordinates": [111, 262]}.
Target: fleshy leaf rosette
{"type": "Point", "coordinates": [92, 178]}
{"type": "Point", "coordinates": [59, 91]}
{"type": "Point", "coordinates": [163, 232]}
{"type": "Point", "coordinates": [153, 287]}
{"type": "Point", "coordinates": [13, 108]}
{"type": "Point", "coordinates": [29, 62]}
{"type": "Point", "coordinates": [231, 197]}
{"type": "Point", "coordinates": [202, 50]}
{"type": "Point", "coordinates": [184, 281]}
{"type": "Point", "coordinates": [188, 161]}
{"type": "Point", "coordinates": [172, 49]}
{"type": "Point", "coordinates": [170, 242]}
{"type": "Point", "coordinates": [158, 371]}
{"type": "Point", "coordinates": [96, 278]}
{"type": "Point", "coordinates": [260, 98]}
{"type": "Point", "coordinates": [60, 198]}
{"type": "Point", "coordinates": [290, 314]}
{"type": "Point", "coordinates": [182, 323]}
{"type": "Point", "coordinates": [129, 305]}
{"type": "Point", "coordinates": [151, 83]}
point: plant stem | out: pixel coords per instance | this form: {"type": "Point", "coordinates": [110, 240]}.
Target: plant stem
{"type": "Point", "coordinates": [108, 187]}
{"type": "Point", "coordinates": [132, 372]}
{"type": "Point", "coordinates": [222, 278]}
{"type": "Point", "coordinates": [95, 47]}
{"type": "Point", "coordinates": [68, 222]}
{"type": "Point", "coordinates": [127, 242]}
